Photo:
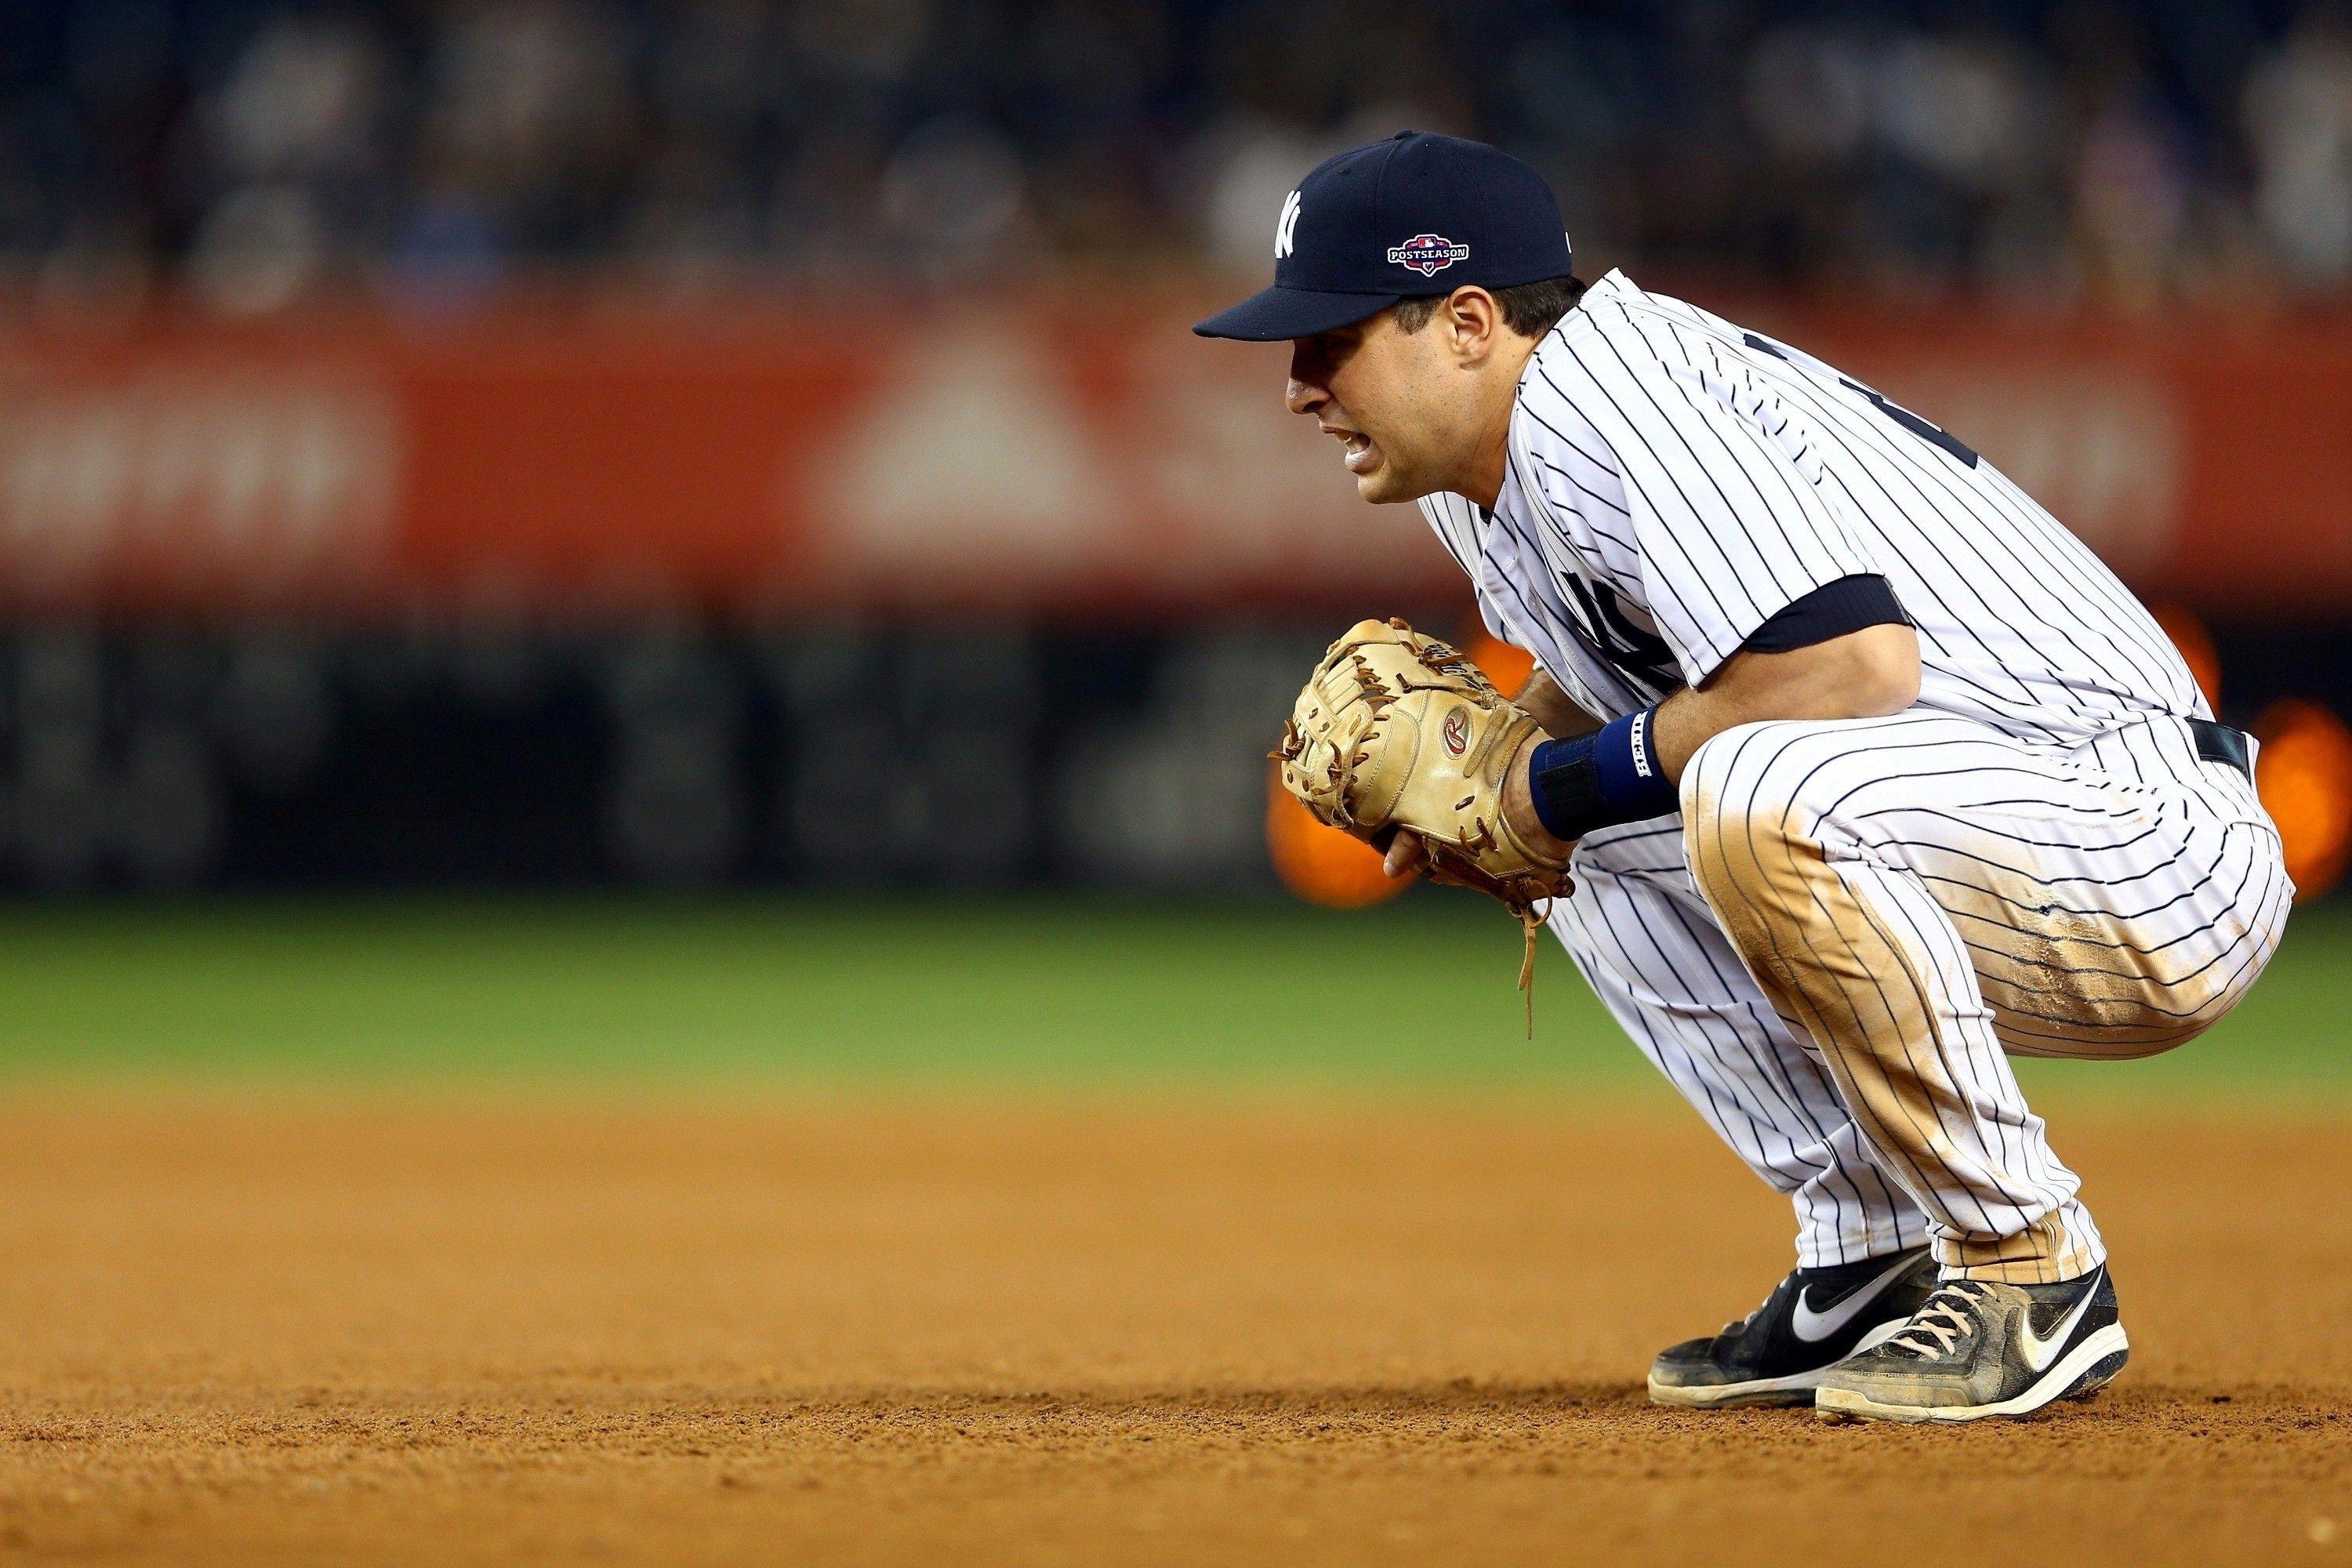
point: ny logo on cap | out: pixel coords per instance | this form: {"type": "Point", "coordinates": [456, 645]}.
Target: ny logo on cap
{"type": "Point", "coordinates": [1285, 226]}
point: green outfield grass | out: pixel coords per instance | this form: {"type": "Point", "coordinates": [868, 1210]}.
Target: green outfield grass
{"type": "Point", "coordinates": [831, 991]}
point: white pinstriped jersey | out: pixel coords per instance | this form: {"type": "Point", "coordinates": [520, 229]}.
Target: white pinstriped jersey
{"type": "Point", "coordinates": [1675, 481]}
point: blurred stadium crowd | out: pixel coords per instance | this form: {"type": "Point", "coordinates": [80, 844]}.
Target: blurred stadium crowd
{"type": "Point", "coordinates": [263, 152]}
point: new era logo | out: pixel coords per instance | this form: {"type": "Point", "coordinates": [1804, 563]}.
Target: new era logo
{"type": "Point", "coordinates": [1428, 254]}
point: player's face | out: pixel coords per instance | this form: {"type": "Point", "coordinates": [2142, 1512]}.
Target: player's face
{"type": "Point", "coordinates": [1381, 394]}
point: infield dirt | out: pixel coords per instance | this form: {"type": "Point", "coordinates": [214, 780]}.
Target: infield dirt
{"type": "Point", "coordinates": [890, 1332]}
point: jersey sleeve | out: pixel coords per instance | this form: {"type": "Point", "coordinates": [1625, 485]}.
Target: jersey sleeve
{"type": "Point", "coordinates": [1728, 524]}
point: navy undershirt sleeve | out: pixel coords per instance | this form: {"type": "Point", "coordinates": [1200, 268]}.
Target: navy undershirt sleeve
{"type": "Point", "coordinates": [1831, 610]}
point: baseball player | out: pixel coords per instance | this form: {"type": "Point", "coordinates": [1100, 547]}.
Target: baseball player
{"type": "Point", "coordinates": [1846, 769]}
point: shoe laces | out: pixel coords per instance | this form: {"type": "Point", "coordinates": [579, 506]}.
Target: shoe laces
{"type": "Point", "coordinates": [1937, 1329]}
{"type": "Point", "coordinates": [1741, 1325]}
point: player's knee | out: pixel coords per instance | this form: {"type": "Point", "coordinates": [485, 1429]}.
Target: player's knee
{"type": "Point", "coordinates": [1747, 796]}
{"type": "Point", "coordinates": [1749, 772]}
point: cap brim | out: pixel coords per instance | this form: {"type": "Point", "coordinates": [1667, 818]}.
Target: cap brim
{"type": "Point", "coordinates": [1274, 314]}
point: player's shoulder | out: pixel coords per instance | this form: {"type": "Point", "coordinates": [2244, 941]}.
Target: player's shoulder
{"type": "Point", "coordinates": [1666, 328]}
{"type": "Point", "coordinates": [1566, 384]}
{"type": "Point", "coordinates": [1624, 345]}
{"type": "Point", "coordinates": [1618, 331]}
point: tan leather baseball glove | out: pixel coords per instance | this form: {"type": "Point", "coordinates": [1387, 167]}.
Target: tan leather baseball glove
{"type": "Point", "coordinates": [1395, 730]}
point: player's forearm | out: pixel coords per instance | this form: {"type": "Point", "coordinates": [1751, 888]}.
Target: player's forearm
{"type": "Point", "coordinates": [1551, 706]}
{"type": "Point", "coordinates": [1865, 674]}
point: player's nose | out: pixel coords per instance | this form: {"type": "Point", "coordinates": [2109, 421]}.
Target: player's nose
{"type": "Point", "coordinates": [1305, 393]}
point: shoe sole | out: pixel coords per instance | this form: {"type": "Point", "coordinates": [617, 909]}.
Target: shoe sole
{"type": "Point", "coordinates": [2081, 1372]}
{"type": "Point", "coordinates": [1794, 1390]}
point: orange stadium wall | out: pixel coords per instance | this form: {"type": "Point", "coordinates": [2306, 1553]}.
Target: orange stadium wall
{"type": "Point", "coordinates": [1041, 457]}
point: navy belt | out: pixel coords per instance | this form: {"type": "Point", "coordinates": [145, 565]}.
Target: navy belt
{"type": "Point", "coordinates": [2219, 743]}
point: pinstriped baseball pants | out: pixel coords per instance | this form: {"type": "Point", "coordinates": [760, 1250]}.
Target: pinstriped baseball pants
{"type": "Point", "coordinates": [1833, 948]}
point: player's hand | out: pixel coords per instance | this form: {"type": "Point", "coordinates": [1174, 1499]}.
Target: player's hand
{"type": "Point", "coordinates": [1404, 855]}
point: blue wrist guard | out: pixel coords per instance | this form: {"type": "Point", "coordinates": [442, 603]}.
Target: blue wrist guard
{"type": "Point", "coordinates": [1601, 779]}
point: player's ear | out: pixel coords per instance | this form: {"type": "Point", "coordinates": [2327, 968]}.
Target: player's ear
{"type": "Point", "coordinates": [1472, 323]}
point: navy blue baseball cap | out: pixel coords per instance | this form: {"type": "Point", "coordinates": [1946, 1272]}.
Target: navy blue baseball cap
{"type": "Point", "coordinates": [1415, 215]}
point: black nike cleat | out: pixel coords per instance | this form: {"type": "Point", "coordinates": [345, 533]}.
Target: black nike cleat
{"type": "Point", "coordinates": [1817, 1318]}
{"type": "Point", "coordinates": [1980, 1349]}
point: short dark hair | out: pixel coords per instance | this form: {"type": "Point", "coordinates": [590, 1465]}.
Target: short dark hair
{"type": "Point", "coordinates": [1531, 310]}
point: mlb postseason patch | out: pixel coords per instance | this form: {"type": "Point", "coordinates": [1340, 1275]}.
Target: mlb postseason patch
{"type": "Point", "coordinates": [1428, 254]}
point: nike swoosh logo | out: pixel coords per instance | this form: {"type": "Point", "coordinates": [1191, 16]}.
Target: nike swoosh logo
{"type": "Point", "coordinates": [1814, 1327]}
{"type": "Point", "coordinates": [2040, 1353]}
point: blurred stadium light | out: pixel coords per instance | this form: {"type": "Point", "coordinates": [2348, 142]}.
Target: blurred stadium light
{"type": "Point", "coordinates": [1322, 865]}
{"type": "Point", "coordinates": [2305, 775]}
{"type": "Point", "coordinates": [2196, 645]}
